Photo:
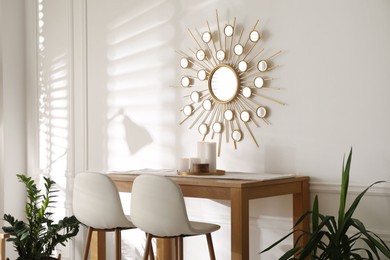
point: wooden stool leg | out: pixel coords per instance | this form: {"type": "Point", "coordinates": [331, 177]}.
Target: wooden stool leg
{"type": "Point", "coordinates": [3, 237]}
{"type": "Point", "coordinates": [147, 246]}
{"type": "Point", "coordinates": [180, 248]}
{"type": "Point", "coordinates": [87, 243]}
{"type": "Point", "coordinates": [151, 253]}
{"type": "Point", "coordinates": [176, 248]}
{"type": "Point", "coordinates": [210, 245]}
{"type": "Point", "coordinates": [118, 248]}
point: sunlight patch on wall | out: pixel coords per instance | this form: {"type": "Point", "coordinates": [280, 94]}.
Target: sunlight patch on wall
{"type": "Point", "coordinates": [53, 106]}
{"type": "Point", "coordinates": [131, 57]}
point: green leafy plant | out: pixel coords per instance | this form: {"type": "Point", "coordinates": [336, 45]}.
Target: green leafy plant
{"type": "Point", "coordinates": [37, 238]}
{"type": "Point", "coordinates": [329, 238]}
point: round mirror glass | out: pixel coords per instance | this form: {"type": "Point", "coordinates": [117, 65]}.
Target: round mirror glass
{"type": "Point", "coordinates": [238, 49]}
{"type": "Point", "coordinates": [187, 110]}
{"type": "Point", "coordinates": [203, 129]}
{"type": "Point", "coordinates": [202, 74]}
{"type": "Point", "coordinates": [254, 36]}
{"type": "Point", "coordinates": [217, 127]}
{"type": "Point", "coordinates": [262, 65]}
{"type": "Point", "coordinates": [185, 81]}
{"type": "Point", "coordinates": [220, 55]}
{"type": "Point", "coordinates": [228, 115]}
{"type": "Point", "coordinates": [245, 116]}
{"type": "Point", "coordinates": [228, 30]}
{"type": "Point", "coordinates": [206, 37]}
{"type": "Point", "coordinates": [259, 82]}
{"type": "Point", "coordinates": [237, 135]}
{"type": "Point", "coordinates": [195, 96]}
{"type": "Point", "coordinates": [242, 66]}
{"type": "Point", "coordinates": [261, 112]}
{"type": "Point", "coordinates": [223, 83]}
{"type": "Point", "coordinates": [184, 63]}
{"type": "Point", "coordinates": [207, 105]}
{"type": "Point", "coordinates": [247, 92]}
{"type": "Point", "coordinates": [200, 55]}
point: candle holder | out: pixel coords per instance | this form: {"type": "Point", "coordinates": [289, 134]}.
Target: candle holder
{"type": "Point", "coordinates": [217, 172]}
{"type": "Point", "coordinates": [204, 164]}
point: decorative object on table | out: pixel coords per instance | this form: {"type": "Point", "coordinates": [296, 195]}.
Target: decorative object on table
{"type": "Point", "coordinates": [330, 238]}
{"type": "Point", "coordinates": [204, 164]}
{"type": "Point", "coordinates": [38, 237]}
{"type": "Point", "coordinates": [207, 154]}
{"type": "Point", "coordinates": [218, 172]}
{"type": "Point", "coordinates": [201, 167]}
{"type": "Point", "coordinates": [194, 161]}
{"type": "Point", "coordinates": [227, 62]}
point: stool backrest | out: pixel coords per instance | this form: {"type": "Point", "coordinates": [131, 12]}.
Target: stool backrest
{"type": "Point", "coordinates": [96, 202]}
{"type": "Point", "coordinates": [157, 206]}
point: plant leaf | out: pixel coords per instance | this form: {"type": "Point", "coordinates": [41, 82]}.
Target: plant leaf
{"type": "Point", "coordinates": [344, 187]}
{"type": "Point", "coordinates": [348, 215]}
{"type": "Point", "coordinates": [378, 244]}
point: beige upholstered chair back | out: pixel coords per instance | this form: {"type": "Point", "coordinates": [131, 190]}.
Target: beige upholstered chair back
{"type": "Point", "coordinates": [96, 202]}
{"type": "Point", "coordinates": [157, 206]}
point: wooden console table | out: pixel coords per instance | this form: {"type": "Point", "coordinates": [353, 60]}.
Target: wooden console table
{"type": "Point", "coordinates": [239, 193]}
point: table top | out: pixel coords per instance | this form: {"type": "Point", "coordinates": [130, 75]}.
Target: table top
{"type": "Point", "coordinates": [230, 179]}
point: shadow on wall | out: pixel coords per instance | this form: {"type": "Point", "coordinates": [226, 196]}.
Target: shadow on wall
{"type": "Point", "coordinates": [136, 135]}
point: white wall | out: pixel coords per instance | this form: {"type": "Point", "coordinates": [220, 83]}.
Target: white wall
{"type": "Point", "coordinates": [12, 109]}
{"type": "Point", "coordinates": [333, 77]}
{"type": "Point", "coordinates": [332, 74]}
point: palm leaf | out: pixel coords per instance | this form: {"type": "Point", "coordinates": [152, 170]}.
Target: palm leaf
{"type": "Point", "coordinates": [348, 215]}
{"type": "Point", "coordinates": [344, 187]}
{"type": "Point", "coordinates": [378, 244]}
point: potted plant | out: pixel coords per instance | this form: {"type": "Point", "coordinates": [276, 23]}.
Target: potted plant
{"type": "Point", "coordinates": [37, 238]}
{"type": "Point", "coordinates": [336, 239]}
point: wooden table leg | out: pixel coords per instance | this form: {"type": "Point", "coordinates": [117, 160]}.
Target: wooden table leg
{"type": "Point", "coordinates": [301, 204]}
{"type": "Point", "coordinates": [239, 224]}
{"type": "Point", "coordinates": [164, 248]}
{"type": "Point", "coordinates": [98, 246]}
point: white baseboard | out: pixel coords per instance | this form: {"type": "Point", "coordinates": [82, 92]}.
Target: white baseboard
{"type": "Point", "coordinates": [376, 190]}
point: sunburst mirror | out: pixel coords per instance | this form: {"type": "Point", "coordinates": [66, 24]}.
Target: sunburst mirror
{"type": "Point", "coordinates": [226, 78]}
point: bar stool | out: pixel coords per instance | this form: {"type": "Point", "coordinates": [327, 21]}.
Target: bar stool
{"type": "Point", "coordinates": [158, 209]}
{"type": "Point", "coordinates": [97, 205]}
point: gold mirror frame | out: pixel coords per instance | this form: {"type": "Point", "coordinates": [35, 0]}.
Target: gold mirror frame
{"type": "Point", "coordinates": [227, 113]}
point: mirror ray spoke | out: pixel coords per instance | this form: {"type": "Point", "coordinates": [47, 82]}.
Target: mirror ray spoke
{"type": "Point", "coordinates": [219, 30]}
{"type": "Point", "coordinates": [206, 117]}
{"type": "Point", "coordinates": [208, 65]}
{"type": "Point", "coordinates": [273, 55]}
{"type": "Point", "coordinates": [269, 98]}
{"type": "Point", "coordinates": [236, 57]}
{"type": "Point", "coordinates": [257, 54]}
{"type": "Point", "coordinates": [214, 111]}
{"type": "Point", "coordinates": [212, 40]}
{"type": "Point", "coordinates": [213, 62]}
{"type": "Point", "coordinates": [251, 133]}
{"type": "Point", "coordinates": [245, 104]}
{"type": "Point", "coordinates": [231, 41]}
{"type": "Point", "coordinates": [250, 51]}
{"type": "Point", "coordinates": [193, 37]}
{"type": "Point", "coordinates": [196, 119]}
